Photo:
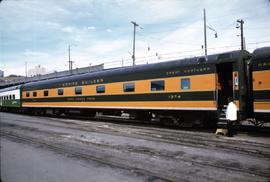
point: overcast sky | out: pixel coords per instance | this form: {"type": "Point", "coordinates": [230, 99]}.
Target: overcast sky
{"type": "Point", "coordinates": [39, 32]}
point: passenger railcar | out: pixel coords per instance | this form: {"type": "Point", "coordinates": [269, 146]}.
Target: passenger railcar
{"type": "Point", "coordinates": [261, 83]}
{"type": "Point", "coordinates": [186, 90]}
{"type": "Point", "coordinates": [193, 90]}
{"type": "Point", "coordinates": [10, 97]}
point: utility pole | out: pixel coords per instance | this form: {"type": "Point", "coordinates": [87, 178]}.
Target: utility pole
{"type": "Point", "coordinates": [69, 60]}
{"type": "Point", "coordinates": [205, 38]}
{"type": "Point", "coordinates": [243, 87]}
{"type": "Point", "coordinates": [205, 33]}
{"type": "Point", "coordinates": [25, 68]}
{"type": "Point", "coordinates": [242, 33]}
{"type": "Point", "coordinates": [134, 34]}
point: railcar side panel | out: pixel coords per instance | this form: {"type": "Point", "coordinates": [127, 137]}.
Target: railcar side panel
{"type": "Point", "coordinates": [261, 89]}
{"type": "Point", "coordinates": [199, 96]}
{"type": "Point", "coordinates": [261, 83]}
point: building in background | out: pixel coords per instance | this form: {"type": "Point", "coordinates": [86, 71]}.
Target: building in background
{"type": "Point", "coordinates": [37, 71]}
{"type": "Point", "coordinates": [1, 74]}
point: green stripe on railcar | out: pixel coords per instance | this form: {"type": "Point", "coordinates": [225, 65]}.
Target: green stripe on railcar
{"type": "Point", "coordinates": [11, 103]}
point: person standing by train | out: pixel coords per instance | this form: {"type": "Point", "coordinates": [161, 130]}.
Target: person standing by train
{"type": "Point", "coordinates": [231, 116]}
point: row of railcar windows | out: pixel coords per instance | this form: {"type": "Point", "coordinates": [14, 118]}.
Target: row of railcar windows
{"type": "Point", "coordinates": [8, 97]}
{"type": "Point", "coordinates": [157, 85]}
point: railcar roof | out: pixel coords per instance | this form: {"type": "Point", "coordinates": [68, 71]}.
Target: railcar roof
{"type": "Point", "coordinates": [122, 71]}
{"type": "Point", "coordinates": [10, 88]}
{"type": "Point", "coordinates": [261, 53]}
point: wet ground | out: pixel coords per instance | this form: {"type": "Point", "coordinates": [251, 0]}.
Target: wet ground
{"type": "Point", "coordinates": [52, 149]}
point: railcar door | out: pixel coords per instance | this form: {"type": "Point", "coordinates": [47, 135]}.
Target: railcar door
{"type": "Point", "coordinates": [225, 84]}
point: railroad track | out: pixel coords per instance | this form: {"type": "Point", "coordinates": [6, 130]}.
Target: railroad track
{"type": "Point", "coordinates": [122, 165]}
{"type": "Point", "coordinates": [84, 156]}
{"type": "Point", "coordinates": [187, 138]}
{"type": "Point", "coordinates": [243, 147]}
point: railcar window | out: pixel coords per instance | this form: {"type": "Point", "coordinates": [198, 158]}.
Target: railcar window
{"type": "Point", "coordinates": [46, 93]}
{"type": "Point", "coordinates": [27, 94]}
{"type": "Point", "coordinates": [34, 94]}
{"type": "Point", "coordinates": [185, 83]}
{"type": "Point", "coordinates": [100, 89]}
{"type": "Point", "coordinates": [129, 87]}
{"type": "Point", "coordinates": [78, 90]}
{"type": "Point", "coordinates": [60, 91]}
{"type": "Point", "coordinates": [157, 85]}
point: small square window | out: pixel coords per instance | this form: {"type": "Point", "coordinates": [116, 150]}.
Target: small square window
{"type": "Point", "coordinates": [100, 89]}
{"type": "Point", "coordinates": [78, 90]}
{"type": "Point", "coordinates": [46, 93]}
{"type": "Point", "coordinates": [27, 94]}
{"type": "Point", "coordinates": [34, 94]}
{"type": "Point", "coordinates": [185, 83]}
{"type": "Point", "coordinates": [158, 85]}
{"type": "Point", "coordinates": [60, 91]}
{"type": "Point", "coordinates": [13, 97]}
{"type": "Point", "coordinates": [129, 87]}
